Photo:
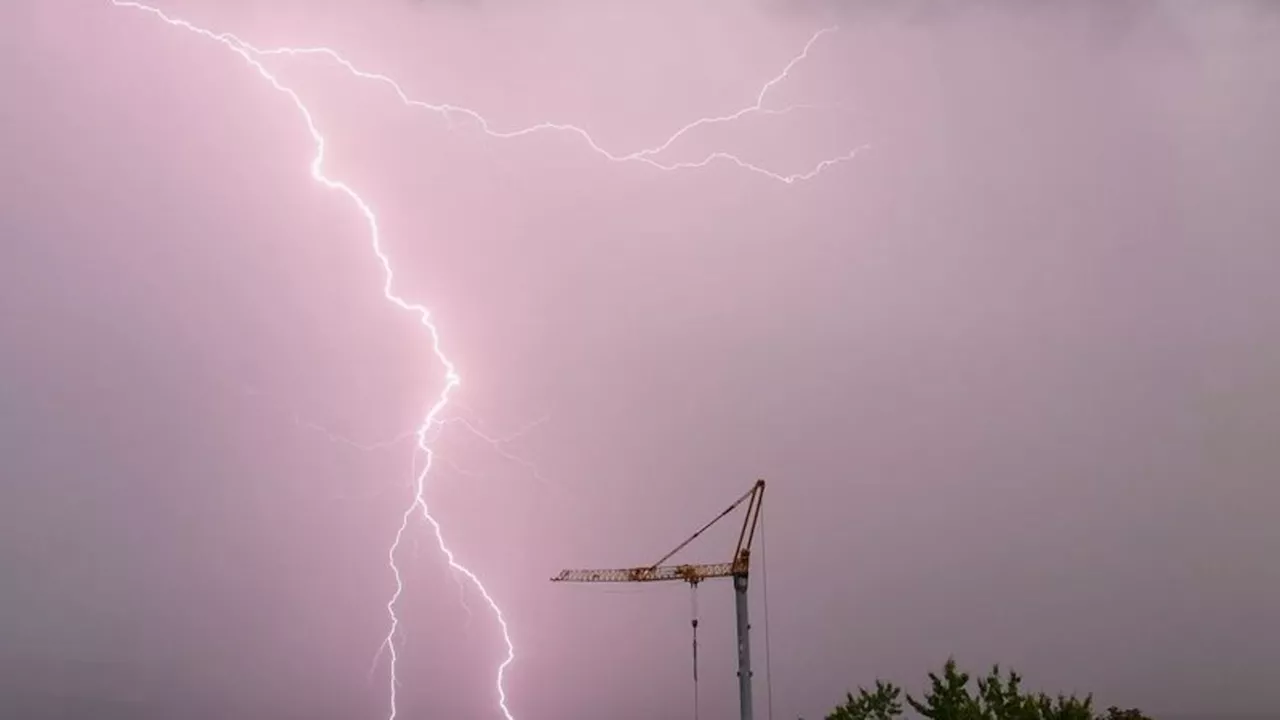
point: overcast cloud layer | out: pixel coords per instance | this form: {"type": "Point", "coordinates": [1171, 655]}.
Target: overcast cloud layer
{"type": "Point", "coordinates": [1013, 373]}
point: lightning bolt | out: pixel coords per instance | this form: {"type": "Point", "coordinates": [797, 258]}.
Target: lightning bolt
{"type": "Point", "coordinates": [433, 419]}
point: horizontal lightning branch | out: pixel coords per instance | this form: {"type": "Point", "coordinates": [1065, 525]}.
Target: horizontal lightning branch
{"type": "Point", "coordinates": [433, 420]}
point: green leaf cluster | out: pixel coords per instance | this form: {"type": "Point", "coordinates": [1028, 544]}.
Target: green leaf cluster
{"type": "Point", "coordinates": [951, 696]}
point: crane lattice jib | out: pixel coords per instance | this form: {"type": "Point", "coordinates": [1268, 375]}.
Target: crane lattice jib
{"type": "Point", "coordinates": [687, 573]}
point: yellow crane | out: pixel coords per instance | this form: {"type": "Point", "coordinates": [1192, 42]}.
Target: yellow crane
{"type": "Point", "coordinates": [737, 568]}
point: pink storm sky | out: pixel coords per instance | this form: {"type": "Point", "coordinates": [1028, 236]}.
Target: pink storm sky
{"type": "Point", "coordinates": [1013, 372]}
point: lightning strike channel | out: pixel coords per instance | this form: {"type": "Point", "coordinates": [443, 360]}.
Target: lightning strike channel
{"type": "Point", "coordinates": [433, 420]}
{"type": "Point", "coordinates": [452, 380]}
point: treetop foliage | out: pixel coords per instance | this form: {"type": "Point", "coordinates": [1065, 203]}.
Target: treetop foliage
{"type": "Point", "coordinates": [997, 697]}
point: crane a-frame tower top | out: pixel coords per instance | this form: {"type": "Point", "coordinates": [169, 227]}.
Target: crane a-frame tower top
{"type": "Point", "coordinates": [737, 568]}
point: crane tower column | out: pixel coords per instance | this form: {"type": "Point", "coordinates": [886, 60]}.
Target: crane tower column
{"type": "Point", "coordinates": [744, 645]}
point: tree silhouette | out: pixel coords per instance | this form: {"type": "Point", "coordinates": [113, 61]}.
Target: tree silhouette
{"type": "Point", "coordinates": [998, 697]}
{"type": "Point", "coordinates": [880, 704]}
{"type": "Point", "coordinates": [1115, 713]}
{"type": "Point", "coordinates": [1065, 708]}
{"type": "Point", "coordinates": [1002, 698]}
{"type": "Point", "coordinates": [948, 698]}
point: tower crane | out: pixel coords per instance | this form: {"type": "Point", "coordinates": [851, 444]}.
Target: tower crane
{"type": "Point", "coordinates": [737, 568]}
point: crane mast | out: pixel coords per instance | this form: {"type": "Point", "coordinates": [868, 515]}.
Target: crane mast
{"type": "Point", "coordinates": [737, 568]}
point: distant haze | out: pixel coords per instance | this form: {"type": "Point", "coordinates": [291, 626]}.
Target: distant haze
{"type": "Point", "coordinates": [1013, 373]}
